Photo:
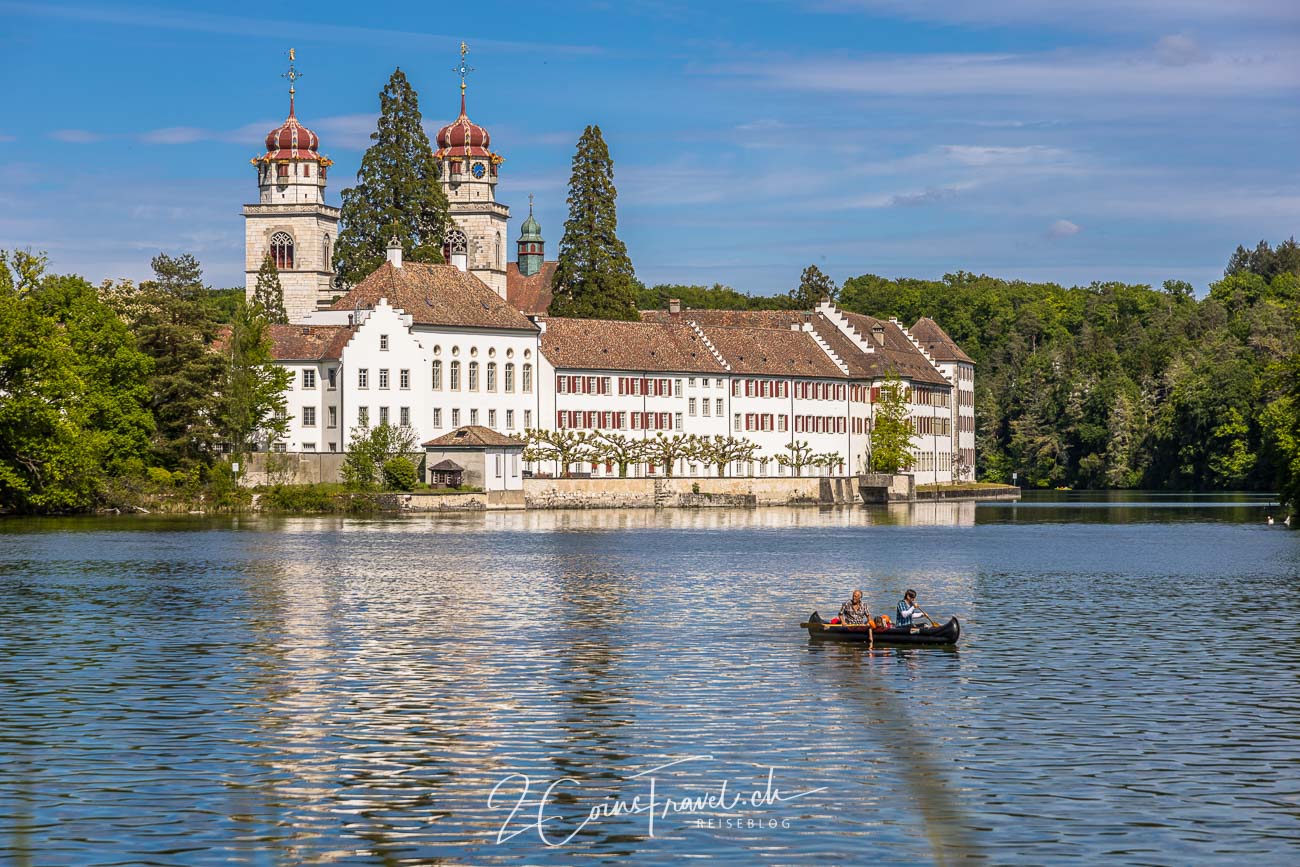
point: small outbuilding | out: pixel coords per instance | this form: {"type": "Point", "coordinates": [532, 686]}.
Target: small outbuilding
{"type": "Point", "coordinates": [476, 456]}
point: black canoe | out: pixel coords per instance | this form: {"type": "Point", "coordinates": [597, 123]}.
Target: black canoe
{"type": "Point", "coordinates": [947, 634]}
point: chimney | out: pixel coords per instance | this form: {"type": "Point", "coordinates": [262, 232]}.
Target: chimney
{"type": "Point", "coordinates": [878, 332]}
{"type": "Point", "coordinates": [674, 306]}
{"type": "Point", "coordinates": [395, 252]}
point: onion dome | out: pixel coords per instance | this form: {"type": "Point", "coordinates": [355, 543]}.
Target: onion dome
{"type": "Point", "coordinates": [292, 141]}
{"type": "Point", "coordinates": [531, 230]}
{"type": "Point", "coordinates": [463, 137]}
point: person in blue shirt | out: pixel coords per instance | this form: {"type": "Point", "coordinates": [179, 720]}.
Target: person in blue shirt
{"type": "Point", "coordinates": [907, 610]}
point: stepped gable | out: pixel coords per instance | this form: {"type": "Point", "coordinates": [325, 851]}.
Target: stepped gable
{"type": "Point", "coordinates": [308, 342]}
{"type": "Point", "coordinates": [897, 355]}
{"type": "Point", "coordinates": [598, 344]}
{"type": "Point", "coordinates": [771, 351]}
{"type": "Point", "coordinates": [532, 294]}
{"type": "Point", "coordinates": [937, 342]}
{"type": "Point", "coordinates": [435, 295]}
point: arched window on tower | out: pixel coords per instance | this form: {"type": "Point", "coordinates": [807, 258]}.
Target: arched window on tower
{"type": "Point", "coordinates": [282, 250]}
{"type": "Point", "coordinates": [328, 263]}
{"type": "Point", "coordinates": [501, 263]}
{"type": "Point", "coordinates": [455, 249]}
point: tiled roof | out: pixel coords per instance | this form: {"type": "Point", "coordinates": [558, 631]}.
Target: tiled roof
{"type": "Point", "coordinates": [937, 342]}
{"type": "Point", "coordinates": [781, 319]}
{"type": "Point", "coordinates": [472, 436]}
{"type": "Point", "coordinates": [771, 352]}
{"type": "Point", "coordinates": [436, 295]}
{"type": "Point", "coordinates": [529, 294]}
{"type": "Point", "coordinates": [308, 342]}
{"type": "Point", "coordinates": [897, 355]}
{"type": "Point", "coordinates": [598, 344]}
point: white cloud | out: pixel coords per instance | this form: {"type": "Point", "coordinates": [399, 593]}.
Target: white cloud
{"type": "Point", "coordinates": [174, 135]}
{"type": "Point", "coordinates": [1261, 67]}
{"type": "Point", "coordinates": [7, 138]}
{"type": "Point", "coordinates": [1090, 14]}
{"type": "Point", "coordinates": [1179, 49]}
{"type": "Point", "coordinates": [76, 136]}
{"type": "Point", "coordinates": [1063, 229]}
{"type": "Point", "coordinates": [981, 155]}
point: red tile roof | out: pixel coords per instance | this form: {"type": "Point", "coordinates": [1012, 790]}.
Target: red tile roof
{"type": "Point", "coordinates": [781, 319]}
{"type": "Point", "coordinates": [436, 295]}
{"type": "Point", "coordinates": [472, 436]}
{"type": "Point", "coordinates": [529, 294]}
{"type": "Point", "coordinates": [308, 342]}
{"type": "Point", "coordinates": [897, 355]}
{"type": "Point", "coordinates": [937, 342]}
{"type": "Point", "coordinates": [772, 352]}
{"type": "Point", "coordinates": [597, 344]}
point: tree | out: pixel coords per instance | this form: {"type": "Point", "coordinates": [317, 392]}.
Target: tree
{"type": "Point", "coordinates": [593, 275]}
{"type": "Point", "coordinates": [565, 447]}
{"type": "Point", "coordinates": [798, 455]}
{"type": "Point", "coordinates": [268, 293]}
{"type": "Point", "coordinates": [72, 391]}
{"type": "Point", "coordinates": [174, 328]}
{"type": "Point", "coordinates": [814, 286]}
{"type": "Point", "coordinates": [400, 474]}
{"type": "Point", "coordinates": [253, 392]}
{"type": "Point", "coordinates": [370, 450]}
{"type": "Point", "coordinates": [397, 193]}
{"type": "Point", "coordinates": [666, 450]}
{"type": "Point", "coordinates": [829, 460]}
{"type": "Point", "coordinates": [616, 448]}
{"type": "Point", "coordinates": [891, 431]}
{"type": "Point", "coordinates": [718, 451]}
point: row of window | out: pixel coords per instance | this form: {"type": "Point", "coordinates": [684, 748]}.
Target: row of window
{"type": "Point", "coordinates": [704, 406]}
{"type": "Point", "coordinates": [965, 424]}
{"type": "Point", "coordinates": [965, 398]}
{"type": "Point", "coordinates": [929, 426]}
{"type": "Point", "coordinates": [619, 420]}
{"type": "Point", "coordinates": [930, 462]}
{"type": "Point", "coordinates": [472, 378]}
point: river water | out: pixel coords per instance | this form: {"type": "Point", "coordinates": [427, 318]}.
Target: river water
{"type": "Point", "coordinates": [519, 688]}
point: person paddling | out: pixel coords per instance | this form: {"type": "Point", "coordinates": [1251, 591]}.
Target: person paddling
{"type": "Point", "coordinates": [855, 612]}
{"type": "Point", "coordinates": [907, 609]}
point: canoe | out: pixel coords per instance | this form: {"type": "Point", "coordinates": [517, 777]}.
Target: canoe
{"type": "Point", "coordinates": [945, 634]}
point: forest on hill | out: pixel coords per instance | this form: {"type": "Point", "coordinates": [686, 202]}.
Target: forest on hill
{"type": "Point", "coordinates": [1110, 385]}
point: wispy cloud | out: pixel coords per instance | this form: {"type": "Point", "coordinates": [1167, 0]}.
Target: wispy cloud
{"type": "Point", "coordinates": [1091, 15]}
{"type": "Point", "coordinates": [174, 135]}
{"type": "Point", "coordinates": [310, 28]}
{"type": "Point", "coordinates": [76, 136]}
{"type": "Point", "coordinates": [1171, 68]}
{"type": "Point", "coordinates": [7, 138]}
{"type": "Point", "coordinates": [1063, 229]}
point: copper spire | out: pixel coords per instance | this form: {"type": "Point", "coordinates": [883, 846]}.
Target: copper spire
{"type": "Point", "coordinates": [293, 75]}
{"type": "Point", "coordinates": [463, 70]}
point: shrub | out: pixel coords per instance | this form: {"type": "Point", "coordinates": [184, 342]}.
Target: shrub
{"type": "Point", "coordinates": [399, 474]}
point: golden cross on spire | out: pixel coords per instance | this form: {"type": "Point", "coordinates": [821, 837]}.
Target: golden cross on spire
{"type": "Point", "coordinates": [463, 70]}
{"type": "Point", "coordinates": [293, 75]}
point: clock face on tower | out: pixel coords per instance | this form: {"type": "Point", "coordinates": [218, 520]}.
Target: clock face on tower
{"type": "Point", "coordinates": [478, 170]}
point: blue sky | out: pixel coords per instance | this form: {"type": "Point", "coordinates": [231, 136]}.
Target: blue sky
{"type": "Point", "coordinates": [1134, 140]}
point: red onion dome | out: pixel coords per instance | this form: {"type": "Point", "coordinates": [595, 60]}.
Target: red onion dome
{"type": "Point", "coordinates": [292, 141]}
{"type": "Point", "coordinates": [463, 137]}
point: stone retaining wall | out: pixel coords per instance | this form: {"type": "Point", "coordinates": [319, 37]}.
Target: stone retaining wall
{"type": "Point", "coordinates": [689, 492]}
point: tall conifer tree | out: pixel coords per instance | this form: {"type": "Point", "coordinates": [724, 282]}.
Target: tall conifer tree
{"type": "Point", "coordinates": [397, 191]}
{"type": "Point", "coordinates": [593, 276]}
{"type": "Point", "coordinates": [268, 293]}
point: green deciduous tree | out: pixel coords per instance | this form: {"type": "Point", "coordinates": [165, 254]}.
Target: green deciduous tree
{"type": "Point", "coordinates": [253, 406]}
{"type": "Point", "coordinates": [813, 288]}
{"type": "Point", "coordinates": [718, 451]}
{"type": "Point", "coordinates": [371, 449]}
{"type": "Point", "coordinates": [665, 450]}
{"type": "Point", "coordinates": [397, 193]}
{"type": "Point", "coordinates": [564, 447]}
{"type": "Point", "coordinates": [593, 275]}
{"type": "Point", "coordinates": [891, 430]}
{"type": "Point", "coordinates": [619, 449]}
{"type": "Point", "coordinates": [268, 293]}
{"type": "Point", "coordinates": [797, 455]}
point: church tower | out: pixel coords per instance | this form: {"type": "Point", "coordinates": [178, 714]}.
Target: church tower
{"type": "Point", "coordinates": [468, 170]}
{"type": "Point", "coordinates": [532, 249]}
{"type": "Point", "coordinates": [291, 221]}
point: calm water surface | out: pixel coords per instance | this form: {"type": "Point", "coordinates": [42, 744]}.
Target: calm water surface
{"type": "Point", "coordinates": [351, 691]}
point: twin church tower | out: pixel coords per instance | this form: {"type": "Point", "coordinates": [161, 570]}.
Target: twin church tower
{"type": "Point", "coordinates": [293, 224]}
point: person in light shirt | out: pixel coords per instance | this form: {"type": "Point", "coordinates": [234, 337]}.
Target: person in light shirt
{"type": "Point", "coordinates": [855, 612]}
{"type": "Point", "coordinates": [907, 610]}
